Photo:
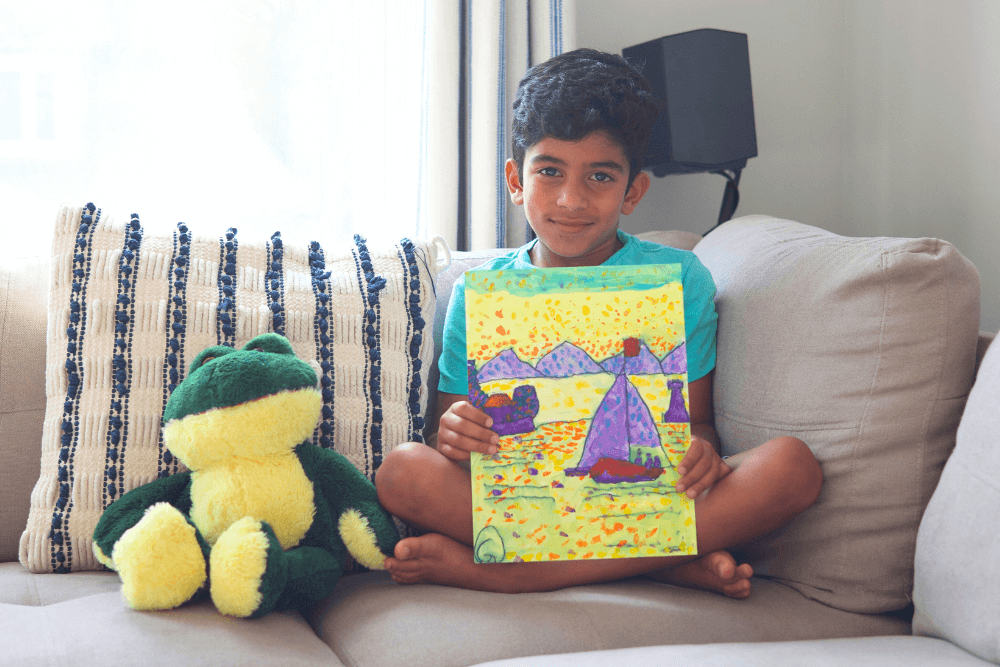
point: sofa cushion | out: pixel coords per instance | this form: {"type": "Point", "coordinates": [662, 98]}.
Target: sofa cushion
{"type": "Point", "coordinates": [20, 587]}
{"type": "Point", "coordinates": [880, 651]}
{"type": "Point", "coordinates": [438, 626]}
{"type": "Point", "coordinates": [128, 310]}
{"type": "Point", "coordinates": [23, 288]}
{"type": "Point", "coordinates": [100, 630]}
{"type": "Point", "coordinates": [956, 592]}
{"type": "Point", "coordinates": [865, 349]}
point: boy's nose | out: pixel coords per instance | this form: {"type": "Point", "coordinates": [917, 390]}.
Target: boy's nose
{"type": "Point", "coordinates": [572, 197]}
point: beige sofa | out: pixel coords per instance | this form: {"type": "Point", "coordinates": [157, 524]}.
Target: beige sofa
{"type": "Point", "coordinates": [865, 348]}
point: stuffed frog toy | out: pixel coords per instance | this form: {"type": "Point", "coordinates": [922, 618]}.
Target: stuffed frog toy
{"type": "Point", "coordinates": [264, 519]}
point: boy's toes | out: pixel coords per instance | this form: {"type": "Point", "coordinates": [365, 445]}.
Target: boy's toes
{"type": "Point", "coordinates": [739, 589]}
{"type": "Point", "coordinates": [739, 585]}
{"type": "Point", "coordinates": [721, 563]}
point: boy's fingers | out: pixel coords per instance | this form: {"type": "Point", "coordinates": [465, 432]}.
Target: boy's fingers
{"type": "Point", "coordinates": [453, 453]}
{"type": "Point", "coordinates": [465, 443]}
{"type": "Point", "coordinates": [696, 472]}
{"type": "Point", "coordinates": [464, 427]}
{"type": "Point", "coordinates": [691, 479]}
{"type": "Point", "coordinates": [472, 437]}
{"type": "Point", "coordinates": [468, 411]}
{"type": "Point", "coordinates": [690, 459]}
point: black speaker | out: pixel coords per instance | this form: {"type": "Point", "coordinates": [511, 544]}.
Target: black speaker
{"type": "Point", "coordinates": [703, 78]}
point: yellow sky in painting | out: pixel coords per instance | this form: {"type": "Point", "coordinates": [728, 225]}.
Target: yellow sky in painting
{"type": "Point", "coordinates": [597, 322]}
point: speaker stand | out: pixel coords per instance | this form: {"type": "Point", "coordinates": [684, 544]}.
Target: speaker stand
{"type": "Point", "coordinates": [730, 196]}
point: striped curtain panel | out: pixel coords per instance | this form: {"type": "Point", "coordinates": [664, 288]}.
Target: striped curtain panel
{"type": "Point", "coordinates": [475, 52]}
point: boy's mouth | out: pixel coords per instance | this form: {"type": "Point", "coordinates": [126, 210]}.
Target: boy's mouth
{"type": "Point", "coordinates": [570, 224]}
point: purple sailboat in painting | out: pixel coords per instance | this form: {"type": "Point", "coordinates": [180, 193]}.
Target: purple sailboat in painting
{"type": "Point", "coordinates": [622, 444]}
{"type": "Point", "coordinates": [511, 415]}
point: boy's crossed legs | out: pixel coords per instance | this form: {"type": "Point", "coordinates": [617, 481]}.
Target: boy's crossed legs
{"type": "Point", "coordinates": [768, 487]}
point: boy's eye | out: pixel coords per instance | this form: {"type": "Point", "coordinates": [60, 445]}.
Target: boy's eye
{"type": "Point", "coordinates": [602, 177]}
{"type": "Point", "coordinates": [548, 171]}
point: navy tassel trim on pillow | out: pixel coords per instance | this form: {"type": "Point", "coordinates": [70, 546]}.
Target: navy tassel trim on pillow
{"type": "Point", "coordinates": [275, 283]}
{"type": "Point", "coordinates": [370, 289]}
{"type": "Point", "coordinates": [61, 547]}
{"type": "Point", "coordinates": [226, 322]}
{"type": "Point", "coordinates": [121, 363]}
{"type": "Point", "coordinates": [324, 341]}
{"type": "Point", "coordinates": [412, 280]}
{"type": "Point", "coordinates": [173, 360]}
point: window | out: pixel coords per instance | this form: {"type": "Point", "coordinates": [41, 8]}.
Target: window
{"type": "Point", "coordinates": [302, 116]}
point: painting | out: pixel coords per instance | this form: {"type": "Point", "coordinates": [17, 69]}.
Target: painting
{"type": "Point", "coordinates": [583, 371]}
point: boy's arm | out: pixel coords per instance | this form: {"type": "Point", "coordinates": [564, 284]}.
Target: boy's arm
{"type": "Point", "coordinates": [702, 466]}
{"type": "Point", "coordinates": [702, 410]}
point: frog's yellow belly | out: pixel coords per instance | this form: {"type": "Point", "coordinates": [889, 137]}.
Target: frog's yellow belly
{"type": "Point", "coordinates": [274, 489]}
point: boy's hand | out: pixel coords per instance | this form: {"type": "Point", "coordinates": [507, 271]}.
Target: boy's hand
{"type": "Point", "coordinates": [465, 428]}
{"type": "Point", "coordinates": [700, 468]}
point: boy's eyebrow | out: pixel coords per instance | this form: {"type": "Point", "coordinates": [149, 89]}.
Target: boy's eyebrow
{"type": "Point", "coordinates": [607, 164]}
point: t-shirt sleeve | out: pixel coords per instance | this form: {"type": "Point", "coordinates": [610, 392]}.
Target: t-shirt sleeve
{"type": "Point", "coordinates": [452, 364]}
{"type": "Point", "coordinates": [700, 319]}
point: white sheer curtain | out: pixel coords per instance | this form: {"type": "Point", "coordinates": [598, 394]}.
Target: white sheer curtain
{"type": "Point", "coordinates": [477, 52]}
{"type": "Point", "coordinates": [303, 116]}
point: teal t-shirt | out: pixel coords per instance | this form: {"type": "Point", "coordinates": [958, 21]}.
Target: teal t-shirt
{"type": "Point", "coordinates": [699, 307]}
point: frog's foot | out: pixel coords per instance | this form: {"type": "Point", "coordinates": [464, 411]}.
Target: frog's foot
{"type": "Point", "coordinates": [249, 569]}
{"type": "Point", "coordinates": [159, 560]}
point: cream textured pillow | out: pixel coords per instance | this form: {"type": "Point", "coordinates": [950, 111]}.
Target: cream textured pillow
{"type": "Point", "coordinates": [129, 310]}
{"type": "Point", "coordinates": [865, 348]}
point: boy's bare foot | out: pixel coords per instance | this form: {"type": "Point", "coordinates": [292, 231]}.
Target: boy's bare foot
{"type": "Point", "coordinates": [438, 559]}
{"type": "Point", "coordinates": [716, 571]}
{"type": "Point", "coordinates": [434, 559]}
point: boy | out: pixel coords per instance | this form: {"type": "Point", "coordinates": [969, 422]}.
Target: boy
{"type": "Point", "coordinates": [581, 124]}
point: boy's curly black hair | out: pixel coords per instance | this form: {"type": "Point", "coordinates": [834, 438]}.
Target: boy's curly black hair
{"type": "Point", "coordinates": [575, 93]}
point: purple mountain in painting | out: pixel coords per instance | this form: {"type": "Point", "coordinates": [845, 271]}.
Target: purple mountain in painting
{"type": "Point", "coordinates": [506, 366]}
{"type": "Point", "coordinates": [565, 360]}
{"type": "Point", "coordinates": [675, 362]}
{"type": "Point", "coordinates": [642, 364]}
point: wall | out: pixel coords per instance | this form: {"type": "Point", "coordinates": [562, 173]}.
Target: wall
{"type": "Point", "coordinates": [923, 128]}
{"type": "Point", "coordinates": [797, 72]}
{"type": "Point", "coordinates": [874, 117]}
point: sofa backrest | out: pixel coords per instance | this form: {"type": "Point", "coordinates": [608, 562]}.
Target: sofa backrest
{"type": "Point", "coordinates": [24, 284]}
{"type": "Point", "coordinates": [956, 591]}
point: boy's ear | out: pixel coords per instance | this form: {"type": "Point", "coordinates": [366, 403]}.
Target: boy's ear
{"type": "Point", "coordinates": [636, 192]}
{"type": "Point", "coordinates": [513, 182]}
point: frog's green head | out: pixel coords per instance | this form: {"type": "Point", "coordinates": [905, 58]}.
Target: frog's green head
{"type": "Point", "coordinates": [247, 403]}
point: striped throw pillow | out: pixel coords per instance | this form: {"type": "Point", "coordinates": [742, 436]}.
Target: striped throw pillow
{"type": "Point", "coordinates": [129, 310]}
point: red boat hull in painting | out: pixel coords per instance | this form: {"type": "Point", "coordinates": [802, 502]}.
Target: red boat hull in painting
{"type": "Point", "coordinates": [613, 471]}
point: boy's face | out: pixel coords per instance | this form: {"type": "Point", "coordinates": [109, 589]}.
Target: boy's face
{"type": "Point", "coordinates": [573, 193]}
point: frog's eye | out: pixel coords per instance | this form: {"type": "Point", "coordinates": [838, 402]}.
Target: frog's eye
{"type": "Point", "coordinates": [258, 349]}
{"type": "Point", "coordinates": [208, 355]}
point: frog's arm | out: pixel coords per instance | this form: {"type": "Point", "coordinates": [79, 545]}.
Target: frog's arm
{"type": "Point", "coordinates": [366, 528]}
{"type": "Point", "coordinates": [127, 511]}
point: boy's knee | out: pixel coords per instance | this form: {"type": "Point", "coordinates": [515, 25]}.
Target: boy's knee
{"type": "Point", "coordinates": [395, 477]}
{"type": "Point", "coordinates": [800, 472]}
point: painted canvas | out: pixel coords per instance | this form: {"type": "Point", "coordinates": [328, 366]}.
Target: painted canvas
{"type": "Point", "coordinates": [584, 373]}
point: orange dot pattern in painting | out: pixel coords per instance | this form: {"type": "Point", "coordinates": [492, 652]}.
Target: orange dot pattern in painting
{"type": "Point", "coordinates": [527, 468]}
{"type": "Point", "coordinates": [597, 323]}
